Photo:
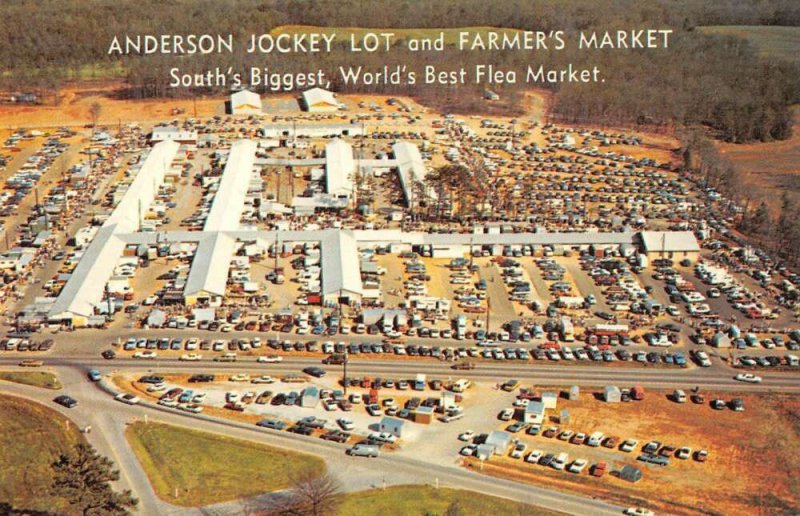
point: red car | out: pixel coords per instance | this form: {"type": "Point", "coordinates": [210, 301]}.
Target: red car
{"type": "Point", "coordinates": [598, 470]}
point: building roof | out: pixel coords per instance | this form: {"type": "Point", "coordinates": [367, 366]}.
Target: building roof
{"type": "Point", "coordinates": [144, 188]}
{"type": "Point", "coordinates": [669, 241]}
{"type": "Point", "coordinates": [410, 166]}
{"type": "Point", "coordinates": [317, 129]}
{"type": "Point", "coordinates": [210, 266]}
{"type": "Point", "coordinates": [499, 440]}
{"type": "Point", "coordinates": [162, 133]}
{"type": "Point", "coordinates": [339, 260]}
{"type": "Point", "coordinates": [245, 100]}
{"type": "Point", "coordinates": [86, 284]}
{"type": "Point", "coordinates": [339, 167]}
{"type": "Point", "coordinates": [393, 421]}
{"type": "Point", "coordinates": [226, 210]}
{"type": "Point", "coordinates": [85, 287]}
{"type": "Point", "coordinates": [318, 96]}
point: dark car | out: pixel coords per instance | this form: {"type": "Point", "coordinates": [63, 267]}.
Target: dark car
{"type": "Point", "coordinates": [516, 427]}
{"type": "Point", "coordinates": [336, 436]}
{"type": "Point", "coordinates": [201, 378]}
{"type": "Point", "coordinates": [109, 354]}
{"type": "Point", "coordinates": [301, 429]}
{"type": "Point", "coordinates": [547, 459]}
{"type": "Point", "coordinates": [151, 379]}
{"type": "Point", "coordinates": [65, 401]}
{"type": "Point", "coordinates": [316, 372]}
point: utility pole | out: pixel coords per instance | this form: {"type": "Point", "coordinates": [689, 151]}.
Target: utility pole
{"type": "Point", "coordinates": [344, 369]}
{"type": "Point", "coordinates": [488, 312]}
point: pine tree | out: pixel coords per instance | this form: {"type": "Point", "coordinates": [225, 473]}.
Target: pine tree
{"type": "Point", "coordinates": [83, 478]}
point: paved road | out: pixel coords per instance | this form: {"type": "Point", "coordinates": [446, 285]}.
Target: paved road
{"type": "Point", "coordinates": [574, 374]}
{"type": "Point", "coordinates": [108, 419]}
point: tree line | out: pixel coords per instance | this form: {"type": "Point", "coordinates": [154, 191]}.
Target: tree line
{"type": "Point", "coordinates": [704, 79]}
{"type": "Point", "coordinates": [778, 233]}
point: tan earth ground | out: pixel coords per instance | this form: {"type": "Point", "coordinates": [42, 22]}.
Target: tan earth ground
{"type": "Point", "coordinates": [751, 469]}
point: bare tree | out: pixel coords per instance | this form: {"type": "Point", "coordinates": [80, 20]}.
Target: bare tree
{"type": "Point", "coordinates": [94, 112]}
{"type": "Point", "coordinates": [315, 495]}
{"type": "Point", "coordinates": [308, 495]}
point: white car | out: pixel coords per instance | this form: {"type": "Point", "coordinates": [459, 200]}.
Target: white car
{"type": "Point", "coordinates": [639, 511]}
{"type": "Point", "coordinates": [129, 399]}
{"type": "Point", "coordinates": [156, 387]}
{"type": "Point", "coordinates": [239, 377]}
{"type": "Point", "coordinates": [385, 437]}
{"type": "Point", "coordinates": [534, 456]}
{"type": "Point", "coordinates": [749, 378]}
{"type": "Point", "coordinates": [469, 450]}
{"type": "Point", "coordinates": [518, 450]}
{"type": "Point", "coordinates": [521, 402]}
{"type": "Point", "coordinates": [577, 466]}
{"type": "Point", "coordinates": [346, 424]}
{"type": "Point", "coordinates": [466, 436]}
{"type": "Point", "coordinates": [145, 354]}
{"type": "Point", "coordinates": [269, 359]}
{"type": "Point", "coordinates": [191, 357]}
{"type": "Point", "coordinates": [263, 379]}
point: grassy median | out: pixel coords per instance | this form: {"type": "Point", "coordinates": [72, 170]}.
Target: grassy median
{"type": "Point", "coordinates": [193, 468]}
{"type": "Point", "coordinates": [32, 436]}
{"type": "Point", "coordinates": [415, 500]}
{"type": "Point", "coordinates": [35, 378]}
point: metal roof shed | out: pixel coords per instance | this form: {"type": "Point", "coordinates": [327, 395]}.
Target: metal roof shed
{"type": "Point", "coordinates": [392, 425]}
{"type": "Point", "coordinates": [499, 440]}
{"type": "Point", "coordinates": [612, 394]}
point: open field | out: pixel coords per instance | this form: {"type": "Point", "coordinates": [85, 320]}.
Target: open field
{"type": "Point", "coordinates": [35, 378]}
{"type": "Point", "coordinates": [768, 169]}
{"type": "Point", "coordinates": [414, 500]}
{"type": "Point", "coordinates": [75, 103]}
{"type": "Point", "coordinates": [32, 438]}
{"type": "Point", "coordinates": [745, 460]}
{"type": "Point", "coordinates": [183, 460]}
{"type": "Point", "coordinates": [770, 41]}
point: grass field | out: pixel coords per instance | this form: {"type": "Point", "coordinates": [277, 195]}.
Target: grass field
{"type": "Point", "coordinates": [770, 41]}
{"type": "Point", "coordinates": [770, 168]}
{"type": "Point", "coordinates": [344, 33]}
{"type": "Point", "coordinates": [421, 500]}
{"type": "Point", "coordinates": [206, 468]}
{"type": "Point", "coordinates": [31, 438]}
{"type": "Point", "coordinates": [35, 378]}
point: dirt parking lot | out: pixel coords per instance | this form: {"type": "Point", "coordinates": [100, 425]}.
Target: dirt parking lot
{"type": "Point", "coordinates": [750, 453]}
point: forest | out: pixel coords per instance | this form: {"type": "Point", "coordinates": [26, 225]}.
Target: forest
{"type": "Point", "coordinates": [716, 81]}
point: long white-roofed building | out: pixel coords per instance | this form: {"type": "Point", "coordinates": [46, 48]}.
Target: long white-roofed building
{"type": "Point", "coordinates": [84, 289]}
{"type": "Point", "coordinates": [341, 274]}
{"type": "Point", "coordinates": [211, 264]}
{"type": "Point", "coordinates": [226, 210]}
{"type": "Point", "coordinates": [339, 168]}
{"type": "Point", "coordinates": [411, 169]}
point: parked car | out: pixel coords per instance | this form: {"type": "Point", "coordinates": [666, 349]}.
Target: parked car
{"type": "Point", "coordinates": [66, 401]}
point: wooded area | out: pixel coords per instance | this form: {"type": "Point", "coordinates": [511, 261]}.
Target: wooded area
{"type": "Point", "coordinates": [712, 80]}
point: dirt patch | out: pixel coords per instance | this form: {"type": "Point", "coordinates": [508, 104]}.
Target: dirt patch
{"type": "Point", "coordinates": [752, 462]}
